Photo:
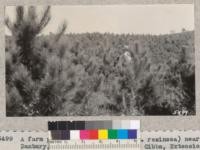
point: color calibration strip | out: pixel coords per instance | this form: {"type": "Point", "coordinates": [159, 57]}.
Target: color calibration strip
{"type": "Point", "coordinates": [94, 130]}
{"type": "Point", "coordinates": [88, 125]}
{"type": "Point", "coordinates": [102, 134]}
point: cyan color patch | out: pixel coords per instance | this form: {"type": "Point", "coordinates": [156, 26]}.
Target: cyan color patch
{"type": "Point", "coordinates": [122, 134]}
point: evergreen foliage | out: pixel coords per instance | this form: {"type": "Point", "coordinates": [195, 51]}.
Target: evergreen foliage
{"type": "Point", "coordinates": [95, 74]}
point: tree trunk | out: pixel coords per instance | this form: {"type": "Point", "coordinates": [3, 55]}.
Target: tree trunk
{"type": "Point", "coordinates": [124, 103]}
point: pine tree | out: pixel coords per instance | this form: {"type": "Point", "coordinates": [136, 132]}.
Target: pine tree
{"type": "Point", "coordinates": [30, 88]}
{"type": "Point", "coordinates": [25, 28]}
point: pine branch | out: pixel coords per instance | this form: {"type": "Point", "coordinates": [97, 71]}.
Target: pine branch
{"type": "Point", "coordinates": [32, 15]}
{"type": "Point", "coordinates": [19, 14]}
{"type": "Point", "coordinates": [61, 31]}
{"type": "Point", "coordinates": [45, 19]}
{"type": "Point", "coordinates": [9, 24]}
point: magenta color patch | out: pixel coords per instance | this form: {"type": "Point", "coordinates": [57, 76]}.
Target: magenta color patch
{"type": "Point", "coordinates": [84, 134]}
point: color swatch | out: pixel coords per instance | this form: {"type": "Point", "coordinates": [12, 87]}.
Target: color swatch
{"type": "Point", "coordinates": [94, 130]}
{"type": "Point", "coordinates": [112, 134]}
{"type": "Point", "coordinates": [102, 134]}
{"type": "Point", "coordinates": [103, 124]}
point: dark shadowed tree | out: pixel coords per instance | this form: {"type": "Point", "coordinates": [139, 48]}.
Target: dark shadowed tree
{"type": "Point", "coordinates": [30, 89]}
{"type": "Point", "coordinates": [25, 28]}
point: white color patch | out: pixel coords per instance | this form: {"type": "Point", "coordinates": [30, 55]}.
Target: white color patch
{"type": "Point", "coordinates": [134, 124]}
{"type": "Point", "coordinates": [74, 134]}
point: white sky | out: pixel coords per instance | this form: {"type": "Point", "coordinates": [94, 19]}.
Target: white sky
{"type": "Point", "coordinates": [139, 19]}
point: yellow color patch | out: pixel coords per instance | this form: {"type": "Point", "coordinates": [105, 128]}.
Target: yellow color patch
{"type": "Point", "coordinates": [103, 134]}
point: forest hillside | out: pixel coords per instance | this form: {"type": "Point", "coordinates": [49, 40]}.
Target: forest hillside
{"type": "Point", "coordinates": [102, 74]}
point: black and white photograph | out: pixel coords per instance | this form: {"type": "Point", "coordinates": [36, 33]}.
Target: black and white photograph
{"type": "Point", "coordinates": [100, 60]}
